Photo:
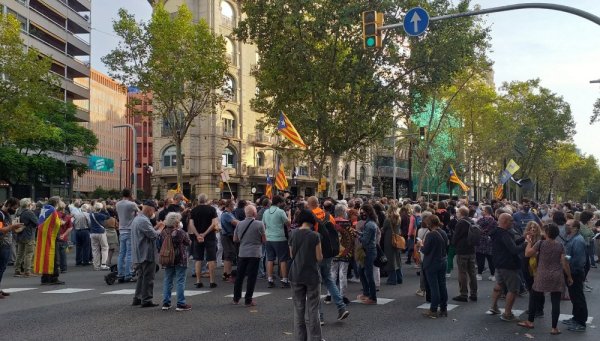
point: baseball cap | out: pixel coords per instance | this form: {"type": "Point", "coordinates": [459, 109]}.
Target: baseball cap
{"type": "Point", "coordinates": [150, 203]}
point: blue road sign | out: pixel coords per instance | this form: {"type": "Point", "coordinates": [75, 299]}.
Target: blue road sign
{"type": "Point", "coordinates": [416, 21]}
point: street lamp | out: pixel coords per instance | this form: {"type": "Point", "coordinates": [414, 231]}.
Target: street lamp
{"type": "Point", "coordinates": [121, 170]}
{"type": "Point", "coordinates": [133, 158]}
{"type": "Point", "coordinates": [595, 81]}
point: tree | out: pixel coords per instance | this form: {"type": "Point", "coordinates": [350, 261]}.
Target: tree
{"type": "Point", "coordinates": [181, 62]}
{"type": "Point", "coordinates": [596, 112]}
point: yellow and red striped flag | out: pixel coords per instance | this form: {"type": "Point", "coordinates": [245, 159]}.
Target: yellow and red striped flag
{"type": "Point", "coordinates": [269, 187]}
{"type": "Point", "coordinates": [45, 249]}
{"type": "Point", "coordinates": [281, 180]}
{"type": "Point", "coordinates": [454, 178]}
{"type": "Point", "coordinates": [287, 129]}
{"type": "Point", "coordinates": [499, 193]}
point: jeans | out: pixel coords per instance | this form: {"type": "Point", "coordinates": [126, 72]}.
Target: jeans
{"type": "Point", "coordinates": [410, 246]}
{"type": "Point", "coordinates": [144, 287]}
{"type": "Point", "coordinates": [580, 311]}
{"type": "Point", "coordinates": [466, 275]}
{"type": "Point", "coordinates": [306, 297]}
{"type": "Point", "coordinates": [176, 272]}
{"type": "Point", "coordinates": [395, 277]}
{"type": "Point", "coordinates": [481, 257]}
{"type": "Point", "coordinates": [367, 278]}
{"type": "Point", "coordinates": [339, 272]}
{"type": "Point", "coordinates": [83, 247]}
{"type": "Point", "coordinates": [25, 251]}
{"type": "Point", "coordinates": [325, 269]}
{"type": "Point", "coordinates": [436, 280]}
{"type": "Point", "coordinates": [61, 246]}
{"type": "Point", "coordinates": [247, 266]}
{"type": "Point", "coordinates": [262, 271]}
{"type": "Point", "coordinates": [124, 262]}
{"type": "Point", "coordinates": [4, 258]}
{"type": "Point", "coordinates": [451, 254]}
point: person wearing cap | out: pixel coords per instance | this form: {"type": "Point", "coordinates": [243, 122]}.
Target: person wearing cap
{"type": "Point", "coordinates": [143, 255]}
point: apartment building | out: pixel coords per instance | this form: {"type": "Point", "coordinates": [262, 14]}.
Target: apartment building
{"type": "Point", "coordinates": [229, 141]}
{"type": "Point", "coordinates": [59, 29]}
{"type": "Point", "coordinates": [108, 108]}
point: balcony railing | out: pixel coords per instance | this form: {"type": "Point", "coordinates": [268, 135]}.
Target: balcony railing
{"type": "Point", "coordinates": [253, 170]}
{"type": "Point", "coordinates": [226, 21]}
{"type": "Point", "coordinates": [261, 138]}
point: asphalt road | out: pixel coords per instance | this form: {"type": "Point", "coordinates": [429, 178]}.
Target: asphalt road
{"type": "Point", "coordinates": [98, 313]}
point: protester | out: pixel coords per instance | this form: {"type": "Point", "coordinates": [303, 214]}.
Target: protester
{"type": "Point", "coordinates": [81, 224]}
{"type": "Point", "coordinates": [143, 255]}
{"type": "Point", "coordinates": [228, 224]}
{"type": "Point", "coordinates": [25, 239]}
{"type": "Point", "coordinates": [552, 267]}
{"type": "Point", "coordinates": [276, 224]}
{"type": "Point", "coordinates": [576, 254]}
{"type": "Point", "coordinates": [368, 240]}
{"type": "Point", "coordinates": [434, 265]}
{"type": "Point", "coordinates": [465, 257]}
{"type": "Point", "coordinates": [391, 226]}
{"type": "Point", "coordinates": [506, 259]}
{"type": "Point", "coordinates": [47, 257]}
{"type": "Point", "coordinates": [126, 211]}
{"type": "Point", "coordinates": [204, 225]}
{"type": "Point", "coordinates": [250, 234]}
{"type": "Point", "coordinates": [6, 229]}
{"type": "Point", "coordinates": [483, 251]}
{"type": "Point", "coordinates": [305, 249]}
{"type": "Point", "coordinates": [340, 264]}
{"type": "Point", "coordinates": [180, 242]}
{"type": "Point", "coordinates": [66, 226]}
{"type": "Point", "coordinates": [98, 237]}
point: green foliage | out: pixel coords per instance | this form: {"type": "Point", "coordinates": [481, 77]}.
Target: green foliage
{"type": "Point", "coordinates": [596, 112]}
{"type": "Point", "coordinates": [180, 61]}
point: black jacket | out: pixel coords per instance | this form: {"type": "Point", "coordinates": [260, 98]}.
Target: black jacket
{"type": "Point", "coordinates": [505, 251]}
{"type": "Point", "coordinates": [460, 238]}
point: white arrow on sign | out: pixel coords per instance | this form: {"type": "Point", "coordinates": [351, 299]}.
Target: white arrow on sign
{"type": "Point", "coordinates": [415, 20]}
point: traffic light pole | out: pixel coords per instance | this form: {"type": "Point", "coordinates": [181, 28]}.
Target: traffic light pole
{"type": "Point", "coordinates": [555, 7]}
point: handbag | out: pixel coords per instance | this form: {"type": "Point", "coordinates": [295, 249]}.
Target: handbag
{"type": "Point", "coordinates": [398, 242]}
{"type": "Point", "coordinates": [381, 260]}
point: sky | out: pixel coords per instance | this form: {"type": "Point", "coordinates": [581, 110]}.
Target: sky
{"type": "Point", "coordinates": [559, 48]}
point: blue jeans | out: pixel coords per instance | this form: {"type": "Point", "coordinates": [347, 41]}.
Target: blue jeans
{"type": "Point", "coordinates": [591, 251]}
{"type": "Point", "coordinates": [62, 246]}
{"type": "Point", "coordinates": [262, 271]}
{"type": "Point", "coordinates": [395, 277]}
{"type": "Point", "coordinates": [367, 278]}
{"type": "Point", "coordinates": [83, 247]}
{"type": "Point", "coordinates": [124, 262]}
{"type": "Point", "coordinates": [4, 258]}
{"type": "Point", "coordinates": [436, 279]}
{"type": "Point", "coordinates": [176, 272]}
{"type": "Point", "coordinates": [325, 266]}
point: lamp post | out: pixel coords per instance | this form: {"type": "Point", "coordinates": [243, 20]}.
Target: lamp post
{"type": "Point", "coordinates": [595, 81]}
{"type": "Point", "coordinates": [121, 170]}
{"type": "Point", "coordinates": [133, 158]}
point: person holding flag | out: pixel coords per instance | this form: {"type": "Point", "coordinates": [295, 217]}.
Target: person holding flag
{"type": "Point", "coordinates": [47, 259]}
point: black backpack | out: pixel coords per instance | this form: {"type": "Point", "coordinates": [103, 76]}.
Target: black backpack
{"type": "Point", "coordinates": [474, 234]}
{"type": "Point", "coordinates": [330, 242]}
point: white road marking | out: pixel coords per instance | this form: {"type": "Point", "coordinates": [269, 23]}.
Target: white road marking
{"type": "Point", "coordinates": [66, 291]}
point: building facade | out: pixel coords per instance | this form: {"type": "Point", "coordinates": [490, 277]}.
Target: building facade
{"type": "Point", "coordinates": [108, 108]}
{"type": "Point", "coordinates": [60, 29]}
{"type": "Point", "coordinates": [229, 142]}
{"type": "Point", "coordinates": [140, 111]}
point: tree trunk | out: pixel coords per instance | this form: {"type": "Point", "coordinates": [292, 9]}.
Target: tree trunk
{"type": "Point", "coordinates": [179, 163]}
{"type": "Point", "coordinates": [333, 174]}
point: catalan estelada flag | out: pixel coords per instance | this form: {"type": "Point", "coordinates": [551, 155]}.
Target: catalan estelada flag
{"type": "Point", "coordinates": [454, 178]}
{"type": "Point", "coordinates": [499, 193]}
{"type": "Point", "coordinates": [45, 249]}
{"type": "Point", "coordinates": [269, 187]}
{"type": "Point", "coordinates": [286, 128]}
{"type": "Point", "coordinates": [281, 180]}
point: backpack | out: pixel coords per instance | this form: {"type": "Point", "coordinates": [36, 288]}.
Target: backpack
{"type": "Point", "coordinates": [330, 242]}
{"type": "Point", "coordinates": [474, 234]}
{"type": "Point", "coordinates": [166, 256]}
{"type": "Point", "coordinates": [418, 220]}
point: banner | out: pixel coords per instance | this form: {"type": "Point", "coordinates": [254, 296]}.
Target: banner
{"type": "Point", "coordinates": [101, 164]}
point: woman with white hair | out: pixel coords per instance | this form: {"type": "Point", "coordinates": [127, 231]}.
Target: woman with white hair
{"type": "Point", "coordinates": [180, 241]}
{"type": "Point", "coordinates": [98, 237]}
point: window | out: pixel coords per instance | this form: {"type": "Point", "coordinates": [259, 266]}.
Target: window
{"type": "Point", "coordinates": [260, 159]}
{"type": "Point", "coordinates": [227, 14]}
{"type": "Point", "coordinates": [170, 157]}
{"type": "Point", "coordinates": [363, 174]}
{"type": "Point", "coordinates": [303, 171]}
{"type": "Point", "coordinates": [230, 51]}
{"type": "Point", "coordinates": [229, 126]}
{"type": "Point", "coordinates": [229, 88]}
{"type": "Point", "coordinates": [228, 158]}
{"type": "Point", "coordinates": [346, 172]}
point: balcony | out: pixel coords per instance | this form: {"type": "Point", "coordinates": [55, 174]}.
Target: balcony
{"type": "Point", "coordinates": [226, 132]}
{"type": "Point", "coordinates": [227, 21]}
{"type": "Point", "coordinates": [257, 171]}
{"type": "Point", "coordinates": [388, 171]}
{"type": "Point", "coordinates": [261, 139]}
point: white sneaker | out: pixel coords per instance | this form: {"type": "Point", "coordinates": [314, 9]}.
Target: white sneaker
{"type": "Point", "coordinates": [354, 280]}
{"type": "Point", "coordinates": [448, 275]}
{"type": "Point", "coordinates": [420, 293]}
{"type": "Point", "coordinates": [104, 267]}
{"type": "Point", "coordinates": [478, 276]}
{"type": "Point", "coordinates": [492, 278]}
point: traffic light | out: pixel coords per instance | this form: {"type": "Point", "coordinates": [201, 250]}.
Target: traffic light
{"type": "Point", "coordinates": [370, 36]}
{"type": "Point", "coordinates": [422, 133]}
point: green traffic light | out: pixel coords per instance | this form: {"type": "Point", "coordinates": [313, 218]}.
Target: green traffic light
{"type": "Point", "coordinates": [370, 41]}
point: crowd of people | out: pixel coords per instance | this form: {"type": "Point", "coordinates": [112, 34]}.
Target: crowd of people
{"type": "Point", "coordinates": [527, 248]}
